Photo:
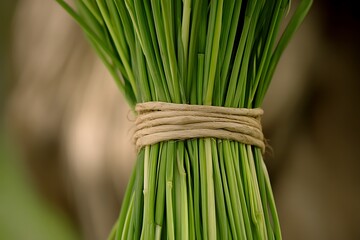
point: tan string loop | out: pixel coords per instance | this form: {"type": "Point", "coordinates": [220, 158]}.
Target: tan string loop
{"type": "Point", "coordinates": [159, 121]}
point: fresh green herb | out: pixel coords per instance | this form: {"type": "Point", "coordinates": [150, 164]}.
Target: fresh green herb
{"type": "Point", "coordinates": [219, 52]}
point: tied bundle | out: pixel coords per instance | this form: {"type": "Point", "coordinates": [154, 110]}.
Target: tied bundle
{"type": "Point", "coordinates": [199, 172]}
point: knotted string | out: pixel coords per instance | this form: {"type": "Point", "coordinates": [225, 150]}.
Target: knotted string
{"type": "Point", "coordinates": [159, 121]}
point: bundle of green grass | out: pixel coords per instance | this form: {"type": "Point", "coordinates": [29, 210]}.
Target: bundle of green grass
{"type": "Point", "coordinates": [198, 52]}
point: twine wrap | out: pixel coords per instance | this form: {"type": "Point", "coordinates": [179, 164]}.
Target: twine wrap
{"type": "Point", "coordinates": [159, 121]}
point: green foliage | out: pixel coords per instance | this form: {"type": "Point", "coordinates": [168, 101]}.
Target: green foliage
{"type": "Point", "coordinates": [219, 52]}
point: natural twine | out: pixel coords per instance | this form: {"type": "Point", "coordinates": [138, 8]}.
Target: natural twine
{"type": "Point", "coordinates": [159, 121]}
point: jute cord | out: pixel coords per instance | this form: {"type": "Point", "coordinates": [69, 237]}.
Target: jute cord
{"type": "Point", "coordinates": [159, 121]}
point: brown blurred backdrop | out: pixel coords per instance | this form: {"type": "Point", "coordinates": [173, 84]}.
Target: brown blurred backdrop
{"type": "Point", "coordinates": [65, 142]}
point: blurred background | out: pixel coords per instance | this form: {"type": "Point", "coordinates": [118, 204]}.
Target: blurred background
{"type": "Point", "coordinates": [65, 142]}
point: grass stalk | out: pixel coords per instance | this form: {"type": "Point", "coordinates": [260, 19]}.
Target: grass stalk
{"type": "Point", "coordinates": [219, 52]}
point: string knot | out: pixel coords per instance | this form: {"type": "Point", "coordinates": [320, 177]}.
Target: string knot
{"type": "Point", "coordinates": [159, 121]}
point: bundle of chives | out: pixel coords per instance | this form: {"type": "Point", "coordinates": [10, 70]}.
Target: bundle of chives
{"type": "Point", "coordinates": [219, 52]}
